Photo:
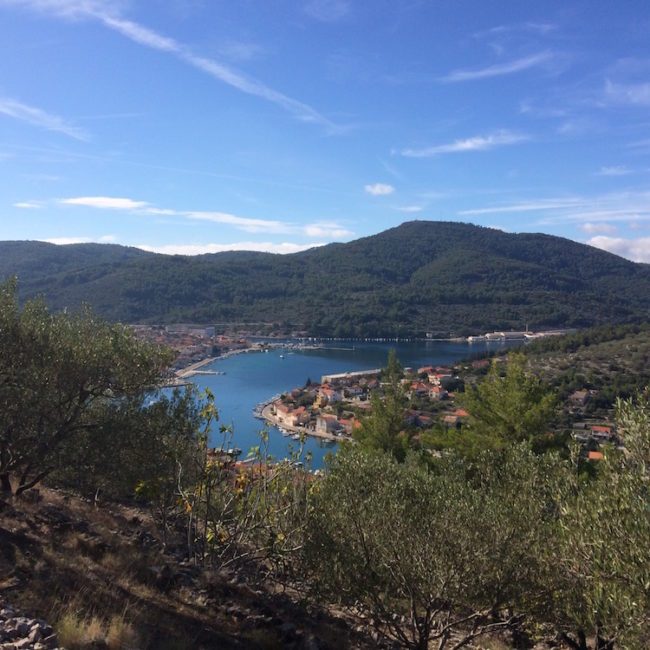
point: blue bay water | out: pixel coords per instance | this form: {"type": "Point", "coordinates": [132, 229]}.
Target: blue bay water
{"type": "Point", "coordinates": [254, 377]}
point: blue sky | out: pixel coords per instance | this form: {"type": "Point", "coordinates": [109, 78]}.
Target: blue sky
{"type": "Point", "coordinates": [192, 126]}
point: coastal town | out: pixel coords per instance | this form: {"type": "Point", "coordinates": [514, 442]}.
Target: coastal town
{"type": "Point", "coordinates": [334, 408]}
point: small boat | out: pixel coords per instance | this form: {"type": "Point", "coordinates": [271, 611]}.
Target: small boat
{"type": "Point", "coordinates": [282, 356]}
{"type": "Point", "coordinates": [296, 436]}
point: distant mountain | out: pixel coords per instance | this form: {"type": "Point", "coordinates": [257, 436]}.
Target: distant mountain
{"type": "Point", "coordinates": [421, 276]}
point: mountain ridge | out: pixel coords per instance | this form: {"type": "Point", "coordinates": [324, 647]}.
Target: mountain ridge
{"type": "Point", "coordinates": [445, 277]}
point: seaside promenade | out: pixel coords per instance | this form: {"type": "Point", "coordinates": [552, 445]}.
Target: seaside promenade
{"type": "Point", "coordinates": [267, 414]}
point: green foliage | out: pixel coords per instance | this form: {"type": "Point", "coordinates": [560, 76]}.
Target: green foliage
{"type": "Point", "coordinates": [253, 513]}
{"type": "Point", "coordinates": [514, 407]}
{"type": "Point", "coordinates": [60, 374]}
{"type": "Point", "coordinates": [393, 371]}
{"type": "Point", "coordinates": [614, 362]}
{"type": "Point", "coordinates": [147, 445]}
{"type": "Point", "coordinates": [461, 277]}
{"type": "Point", "coordinates": [599, 559]}
{"type": "Point", "coordinates": [384, 428]}
{"type": "Point", "coordinates": [428, 554]}
{"type": "Point", "coordinates": [464, 441]}
{"type": "Point", "coordinates": [421, 553]}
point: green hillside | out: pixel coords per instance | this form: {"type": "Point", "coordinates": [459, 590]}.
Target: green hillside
{"type": "Point", "coordinates": [421, 276]}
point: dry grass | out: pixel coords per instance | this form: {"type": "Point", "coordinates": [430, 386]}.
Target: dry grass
{"type": "Point", "coordinates": [77, 632]}
{"type": "Point", "coordinates": [86, 571]}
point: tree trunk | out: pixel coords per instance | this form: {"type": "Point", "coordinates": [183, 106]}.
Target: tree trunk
{"type": "Point", "coordinates": [5, 484]}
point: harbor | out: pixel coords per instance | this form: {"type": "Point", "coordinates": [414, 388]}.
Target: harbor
{"type": "Point", "coordinates": [252, 381]}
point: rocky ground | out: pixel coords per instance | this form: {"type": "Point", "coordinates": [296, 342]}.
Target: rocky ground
{"type": "Point", "coordinates": [23, 633]}
{"type": "Point", "coordinates": [101, 578]}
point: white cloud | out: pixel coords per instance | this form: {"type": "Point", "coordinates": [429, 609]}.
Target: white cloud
{"type": "Point", "coordinates": [159, 212]}
{"type": "Point", "coordinates": [592, 228]}
{"type": "Point", "coordinates": [498, 69]}
{"type": "Point", "coordinates": [616, 170]}
{"type": "Point", "coordinates": [410, 209]}
{"type": "Point", "coordinates": [105, 13]}
{"type": "Point", "coordinates": [105, 202]}
{"type": "Point", "coordinates": [65, 241]}
{"type": "Point", "coordinates": [476, 143]}
{"type": "Point", "coordinates": [637, 250]}
{"type": "Point", "coordinates": [379, 189]}
{"type": "Point", "coordinates": [28, 205]}
{"type": "Point", "coordinates": [38, 117]}
{"type": "Point", "coordinates": [327, 229]}
{"type": "Point", "coordinates": [201, 249]}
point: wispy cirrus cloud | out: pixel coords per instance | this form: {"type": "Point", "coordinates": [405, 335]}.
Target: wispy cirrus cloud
{"type": "Point", "coordinates": [538, 205]}
{"type": "Point", "coordinates": [538, 28]}
{"type": "Point", "coordinates": [241, 223]}
{"type": "Point", "coordinates": [477, 143]}
{"type": "Point", "coordinates": [105, 13]}
{"type": "Point", "coordinates": [40, 118]}
{"type": "Point", "coordinates": [325, 229]}
{"type": "Point", "coordinates": [379, 189]}
{"type": "Point", "coordinates": [28, 205]}
{"type": "Point", "coordinates": [630, 207]}
{"type": "Point", "coordinates": [615, 170]}
{"type": "Point", "coordinates": [499, 69]}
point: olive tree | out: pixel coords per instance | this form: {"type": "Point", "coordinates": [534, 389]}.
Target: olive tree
{"type": "Point", "coordinates": [58, 373]}
{"type": "Point", "coordinates": [599, 559]}
{"type": "Point", "coordinates": [430, 556]}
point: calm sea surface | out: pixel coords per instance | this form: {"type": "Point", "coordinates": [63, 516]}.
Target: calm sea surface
{"type": "Point", "coordinates": [255, 377]}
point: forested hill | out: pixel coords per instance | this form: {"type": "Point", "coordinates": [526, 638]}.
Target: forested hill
{"type": "Point", "coordinates": [421, 276]}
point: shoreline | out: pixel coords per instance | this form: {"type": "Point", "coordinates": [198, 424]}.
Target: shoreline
{"type": "Point", "coordinates": [193, 369]}
{"type": "Point", "coordinates": [269, 418]}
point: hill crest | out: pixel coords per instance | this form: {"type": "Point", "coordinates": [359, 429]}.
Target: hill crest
{"type": "Point", "coordinates": [421, 276]}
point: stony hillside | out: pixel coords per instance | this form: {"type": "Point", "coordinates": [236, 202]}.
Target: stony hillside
{"type": "Point", "coordinates": [101, 578]}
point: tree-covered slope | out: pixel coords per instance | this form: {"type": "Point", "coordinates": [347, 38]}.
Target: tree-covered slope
{"type": "Point", "coordinates": [421, 276]}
